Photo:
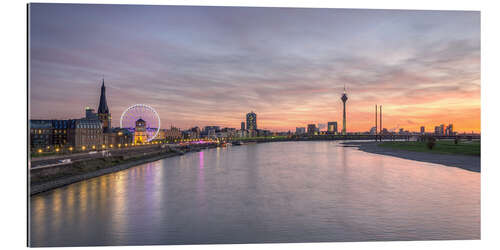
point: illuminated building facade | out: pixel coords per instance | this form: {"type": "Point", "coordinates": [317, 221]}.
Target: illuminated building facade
{"type": "Point", "coordinates": [40, 134]}
{"type": "Point", "coordinates": [85, 132]}
{"type": "Point", "coordinates": [140, 132]}
{"type": "Point", "coordinates": [332, 127]}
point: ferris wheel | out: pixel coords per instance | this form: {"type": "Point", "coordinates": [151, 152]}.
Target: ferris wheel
{"type": "Point", "coordinates": [144, 112]}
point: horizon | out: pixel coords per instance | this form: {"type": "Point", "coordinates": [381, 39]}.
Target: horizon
{"type": "Point", "coordinates": [201, 66]}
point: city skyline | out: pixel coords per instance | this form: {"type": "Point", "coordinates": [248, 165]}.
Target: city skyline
{"type": "Point", "coordinates": [204, 66]}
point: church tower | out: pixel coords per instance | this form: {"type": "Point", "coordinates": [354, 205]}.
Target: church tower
{"type": "Point", "coordinates": [103, 111]}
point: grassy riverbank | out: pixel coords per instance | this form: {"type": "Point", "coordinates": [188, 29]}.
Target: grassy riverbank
{"type": "Point", "coordinates": [442, 147]}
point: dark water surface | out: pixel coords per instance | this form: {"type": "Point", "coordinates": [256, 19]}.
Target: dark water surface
{"type": "Point", "coordinates": [271, 192]}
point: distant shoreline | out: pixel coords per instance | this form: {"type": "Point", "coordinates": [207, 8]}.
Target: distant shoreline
{"type": "Point", "coordinates": [466, 162]}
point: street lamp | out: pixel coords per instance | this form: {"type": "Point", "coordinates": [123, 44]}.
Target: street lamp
{"type": "Point", "coordinates": [70, 148]}
{"type": "Point", "coordinates": [83, 147]}
{"type": "Point", "coordinates": [39, 150]}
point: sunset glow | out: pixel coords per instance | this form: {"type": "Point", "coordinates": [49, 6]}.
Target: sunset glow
{"type": "Point", "coordinates": [212, 65]}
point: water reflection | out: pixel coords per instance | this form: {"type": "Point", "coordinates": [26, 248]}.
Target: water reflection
{"type": "Point", "coordinates": [276, 192]}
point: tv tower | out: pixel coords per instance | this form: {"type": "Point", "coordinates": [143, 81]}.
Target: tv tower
{"type": "Point", "coordinates": [344, 100]}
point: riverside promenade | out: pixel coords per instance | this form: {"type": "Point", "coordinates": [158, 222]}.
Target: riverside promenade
{"type": "Point", "coordinates": [54, 175]}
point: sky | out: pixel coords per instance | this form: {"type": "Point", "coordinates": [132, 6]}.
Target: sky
{"type": "Point", "coordinates": [199, 66]}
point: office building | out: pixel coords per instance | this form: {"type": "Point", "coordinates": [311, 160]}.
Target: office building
{"type": "Point", "coordinates": [251, 121]}
{"type": "Point", "coordinates": [332, 127]}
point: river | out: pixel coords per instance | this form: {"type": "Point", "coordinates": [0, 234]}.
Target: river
{"type": "Point", "coordinates": [270, 192]}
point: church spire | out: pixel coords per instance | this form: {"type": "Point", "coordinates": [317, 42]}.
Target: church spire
{"type": "Point", "coordinates": [103, 105]}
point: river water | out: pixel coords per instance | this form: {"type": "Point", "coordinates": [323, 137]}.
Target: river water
{"type": "Point", "coordinates": [270, 192]}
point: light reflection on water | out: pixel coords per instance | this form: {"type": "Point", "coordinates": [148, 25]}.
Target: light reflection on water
{"type": "Point", "coordinates": [275, 192]}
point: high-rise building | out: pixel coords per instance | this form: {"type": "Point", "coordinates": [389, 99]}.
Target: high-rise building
{"type": "Point", "coordinates": [344, 100]}
{"type": "Point", "coordinates": [449, 129]}
{"type": "Point", "coordinates": [103, 111]}
{"type": "Point", "coordinates": [437, 130]}
{"type": "Point", "coordinates": [300, 130]}
{"type": "Point", "coordinates": [332, 127]}
{"type": "Point", "coordinates": [242, 125]}
{"type": "Point", "coordinates": [422, 130]}
{"type": "Point", "coordinates": [311, 129]}
{"type": "Point", "coordinates": [251, 121]}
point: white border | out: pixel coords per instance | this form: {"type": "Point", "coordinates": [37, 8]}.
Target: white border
{"type": "Point", "coordinates": [13, 148]}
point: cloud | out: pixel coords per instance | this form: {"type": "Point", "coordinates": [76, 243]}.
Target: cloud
{"type": "Point", "coordinates": [211, 65]}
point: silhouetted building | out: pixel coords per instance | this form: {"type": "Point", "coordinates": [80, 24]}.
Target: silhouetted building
{"type": "Point", "coordinates": [311, 129]}
{"type": "Point", "coordinates": [242, 125]}
{"type": "Point", "coordinates": [332, 127]}
{"type": "Point", "coordinates": [439, 130]}
{"type": "Point", "coordinates": [300, 130]}
{"type": "Point", "coordinates": [103, 111]}
{"type": "Point", "coordinates": [449, 130]}
{"type": "Point", "coordinates": [422, 130]}
{"type": "Point", "coordinates": [251, 121]}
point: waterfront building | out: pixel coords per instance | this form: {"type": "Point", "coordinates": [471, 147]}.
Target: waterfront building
{"type": "Point", "coordinates": [103, 111]}
{"type": "Point", "coordinates": [332, 127]}
{"type": "Point", "coordinates": [60, 132]}
{"type": "Point", "coordinates": [122, 136]}
{"type": "Point", "coordinates": [300, 130]}
{"type": "Point", "coordinates": [161, 134]}
{"type": "Point", "coordinates": [230, 132]}
{"type": "Point", "coordinates": [449, 130]}
{"type": "Point", "coordinates": [140, 132]}
{"type": "Point", "coordinates": [251, 121]}
{"type": "Point", "coordinates": [263, 132]}
{"type": "Point", "coordinates": [344, 100]}
{"type": "Point", "coordinates": [242, 133]}
{"type": "Point", "coordinates": [440, 130]}
{"type": "Point", "coordinates": [173, 133]}
{"type": "Point", "coordinates": [210, 131]}
{"type": "Point", "coordinates": [311, 129]}
{"type": "Point", "coordinates": [40, 134]}
{"type": "Point", "coordinates": [84, 132]}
